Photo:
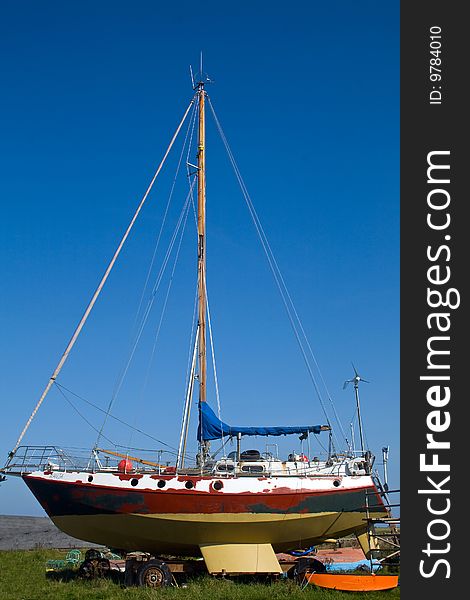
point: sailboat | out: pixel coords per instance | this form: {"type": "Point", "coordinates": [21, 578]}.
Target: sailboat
{"type": "Point", "coordinates": [242, 501]}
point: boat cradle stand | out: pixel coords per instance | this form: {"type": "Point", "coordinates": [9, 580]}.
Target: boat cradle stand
{"type": "Point", "coordinates": [239, 559]}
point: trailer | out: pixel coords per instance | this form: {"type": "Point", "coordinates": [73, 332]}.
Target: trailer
{"type": "Point", "coordinates": [146, 570]}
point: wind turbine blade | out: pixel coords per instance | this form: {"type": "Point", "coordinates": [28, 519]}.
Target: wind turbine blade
{"type": "Point", "coordinates": [355, 371]}
{"type": "Point", "coordinates": [365, 380]}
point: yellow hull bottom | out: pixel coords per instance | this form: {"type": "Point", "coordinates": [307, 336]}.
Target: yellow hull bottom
{"type": "Point", "coordinates": [183, 534]}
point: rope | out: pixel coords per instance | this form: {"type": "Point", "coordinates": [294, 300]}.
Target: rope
{"type": "Point", "coordinates": [100, 286]}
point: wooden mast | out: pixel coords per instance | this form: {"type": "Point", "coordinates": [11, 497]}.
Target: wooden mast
{"type": "Point", "coordinates": [201, 228]}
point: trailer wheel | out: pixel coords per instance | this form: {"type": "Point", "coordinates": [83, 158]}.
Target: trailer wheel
{"type": "Point", "coordinates": [102, 567]}
{"type": "Point", "coordinates": [154, 574]}
{"type": "Point", "coordinates": [90, 569]}
{"type": "Point", "coordinates": [303, 567]}
{"type": "Point", "coordinates": [87, 569]}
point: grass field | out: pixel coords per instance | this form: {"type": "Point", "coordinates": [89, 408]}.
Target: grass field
{"type": "Point", "coordinates": [23, 577]}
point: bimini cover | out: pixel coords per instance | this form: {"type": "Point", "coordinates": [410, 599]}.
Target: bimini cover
{"type": "Point", "coordinates": [212, 428]}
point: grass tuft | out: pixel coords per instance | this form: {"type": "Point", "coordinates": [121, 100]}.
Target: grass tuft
{"type": "Point", "coordinates": [23, 577]}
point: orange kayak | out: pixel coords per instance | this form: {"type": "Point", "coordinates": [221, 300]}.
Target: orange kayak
{"type": "Point", "coordinates": [353, 583]}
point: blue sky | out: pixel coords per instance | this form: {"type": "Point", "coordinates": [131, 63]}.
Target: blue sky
{"type": "Point", "coordinates": [308, 95]}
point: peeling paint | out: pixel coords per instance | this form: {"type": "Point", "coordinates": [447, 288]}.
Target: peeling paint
{"type": "Point", "coordinates": [71, 498]}
{"type": "Point", "coordinates": [127, 476]}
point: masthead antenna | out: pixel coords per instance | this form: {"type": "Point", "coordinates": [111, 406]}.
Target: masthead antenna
{"type": "Point", "coordinates": [200, 79]}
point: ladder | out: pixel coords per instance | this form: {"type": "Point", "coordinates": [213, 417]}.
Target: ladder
{"type": "Point", "coordinates": [383, 532]}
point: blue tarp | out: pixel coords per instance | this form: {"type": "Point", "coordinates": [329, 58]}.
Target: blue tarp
{"type": "Point", "coordinates": [352, 566]}
{"type": "Point", "coordinates": [212, 428]}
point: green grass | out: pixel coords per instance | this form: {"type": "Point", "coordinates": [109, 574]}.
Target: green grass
{"type": "Point", "coordinates": [23, 577]}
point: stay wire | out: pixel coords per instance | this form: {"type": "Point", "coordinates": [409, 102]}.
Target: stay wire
{"type": "Point", "coordinates": [189, 133]}
{"type": "Point", "coordinates": [101, 284]}
{"type": "Point", "coordinates": [271, 260]}
{"type": "Point", "coordinates": [191, 187]}
{"type": "Point", "coordinates": [216, 381]}
{"type": "Point", "coordinates": [111, 416]}
{"type": "Point", "coordinates": [192, 338]}
{"type": "Point", "coordinates": [170, 197]}
{"type": "Point", "coordinates": [59, 388]}
{"type": "Point", "coordinates": [165, 302]}
{"type": "Point", "coordinates": [146, 313]}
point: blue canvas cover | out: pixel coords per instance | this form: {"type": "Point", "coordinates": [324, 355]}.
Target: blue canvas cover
{"type": "Point", "coordinates": [212, 428]}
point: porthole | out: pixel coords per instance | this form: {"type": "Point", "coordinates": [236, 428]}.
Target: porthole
{"type": "Point", "coordinates": [90, 478]}
{"type": "Point", "coordinates": [134, 482]}
{"type": "Point", "coordinates": [189, 485]}
{"type": "Point", "coordinates": [336, 482]}
{"type": "Point", "coordinates": [161, 483]}
{"type": "Point", "coordinates": [217, 485]}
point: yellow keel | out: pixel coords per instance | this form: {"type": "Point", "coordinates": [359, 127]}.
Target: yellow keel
{"type": "Point", "coordinates": [239, 559]}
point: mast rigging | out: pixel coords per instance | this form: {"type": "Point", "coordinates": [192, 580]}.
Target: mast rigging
{"type": "Point", "coordinates": [201, 254]}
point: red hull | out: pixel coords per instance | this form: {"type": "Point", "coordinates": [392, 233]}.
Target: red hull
{"type": "Point", "coordinates": [77, 498]}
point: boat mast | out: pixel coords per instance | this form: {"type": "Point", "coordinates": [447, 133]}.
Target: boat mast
{"type": "Point", "coordinates": [201, 252]}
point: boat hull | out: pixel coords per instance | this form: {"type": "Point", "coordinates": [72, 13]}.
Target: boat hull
{"type": "Point", "coordinates": [353, 583]}
{"type": "Point", "coordinates": [180, 535]}
{"type": "Point", "coordinates": [288, 513]}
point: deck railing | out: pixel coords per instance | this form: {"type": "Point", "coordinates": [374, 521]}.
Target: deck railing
{"type": "Point", "coordinates": [27, 459]}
